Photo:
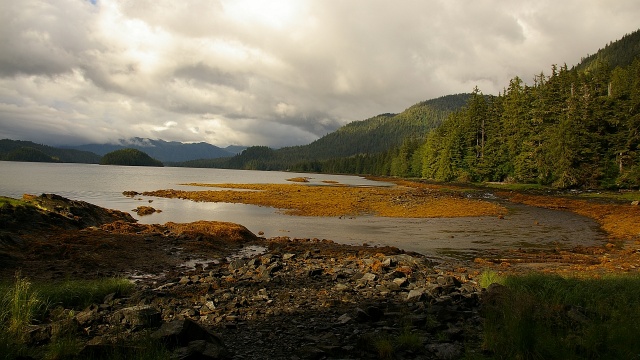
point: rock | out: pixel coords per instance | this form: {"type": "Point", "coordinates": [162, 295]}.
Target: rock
{"type": "Point", "coordinates": [389, 262]}
{"type": "Point", "coordinates": [143, 316]}
{"type": "Point", "coordinates": [237, 264]}
{"type": "Point", "coordinates": [344, 319]}
{"type": "Point", "coordinates": [368, 277]}
{"type": "Point", "coordinates": [416, 294]}
{"type": "Point", "coordinates": [105, 351]}
{"type": "Point", "coordinates": [494, 294]}
{"type": "Point", "coordinates": [179, 333]}
{"type": "Point", "coordinates": [38, 334]}
{"type": "Point", "coordinates": [315, 272]}
{"type": "Point", "coordinates": [448, 281]}
{"type": "Point", "coordinates": [200, 350]}
{"type": "Point", "coordinates": [375, 313]}
{"type": "Point", "coordinates": [446, 351]}
{"type": "Point", "coordinates": [362, 316]}
{"type": "Point", "coordinates": [145, 210]}
{"type": "Point", "coordinates": [341, 287]}
{"type": "Point", "coordinates": [311, 352]}
{"type": "Point", "coordinates": [87, 316]}
{"type": "Point", "coordinates": [401, 281]}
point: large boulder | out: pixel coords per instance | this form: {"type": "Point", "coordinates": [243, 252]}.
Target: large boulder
{"type": "Point", "coordinates": [191, 340]}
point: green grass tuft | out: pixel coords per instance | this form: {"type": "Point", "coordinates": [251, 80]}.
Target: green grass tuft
{"type": "Point", "coordinates": [6, 201]}
{"type": "Point", "coordinates": [23, 302]}
{"type": "Point", "coordinates": [489, 277]}
{"type": "Point", "coordinates": [78, 294]}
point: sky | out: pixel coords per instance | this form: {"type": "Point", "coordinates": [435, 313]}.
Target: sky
{"type": "Point", "coordinates": [275, 73]}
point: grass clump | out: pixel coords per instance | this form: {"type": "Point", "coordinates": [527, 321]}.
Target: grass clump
{"type": "Point", "coordinates": [23, 303]}
{"type": "Point", "coordinates": [18, 307]}
{"type": "Point", "coordinates": [78, 294]}
{"type": "Point", "coordinates": [10, 202]}
{"type": "Point", "coordinates": [554, 317]}
{"type": "Point", "coordinates": [490, 277]}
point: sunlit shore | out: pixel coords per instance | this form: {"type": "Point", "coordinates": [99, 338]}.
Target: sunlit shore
{"type": "Point", "coordinates": [335, 200]}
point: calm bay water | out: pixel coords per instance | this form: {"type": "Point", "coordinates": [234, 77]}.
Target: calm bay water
{"type": "Point", "coordinates": [103, 186]}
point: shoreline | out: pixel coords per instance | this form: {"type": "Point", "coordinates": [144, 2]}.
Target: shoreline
{"type": "Point", "coordinates": [309, 297]}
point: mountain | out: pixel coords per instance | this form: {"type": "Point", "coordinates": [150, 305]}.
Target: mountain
{"type": "Point", "coordinates": [234, 149]}
{"type": "Point", "coordinates": [129, 157]}
{"type": "Point", "coordinates": [374, 135]}
{"type": "Point", "coordinates": [165, 151]}
{"type": "Point", "coordinates": [17, 150]}
{"type": "Point", "coordinates": [618, 53]}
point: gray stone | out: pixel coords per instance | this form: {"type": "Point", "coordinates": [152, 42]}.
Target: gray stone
{"type": "Point", "coordinates": [137, 316]}
{"type": "Point", "coordinates": [341, 287]}
{"type": "Point", "coordinates": [446, 351]}
{"type": "Point", "coordinates": [200, 350]}
{"type": "Point", "coordinates": [179, 333]}
{"type": "Point", "coordinates": [344, 319]}
{"type": "Point", "coordinates": [400, 281]}
{"type": "Point", "coordinates": [87, 316]}
{"type": "Point", "coordinates": [388, 262]}
{"type": "Point", "coordinates": [368, 277]}
{"type": "Point", "coordinates": [416, 294]}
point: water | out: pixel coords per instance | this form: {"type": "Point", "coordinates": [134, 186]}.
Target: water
{"type": "Point", "coordinates": [103, 185]}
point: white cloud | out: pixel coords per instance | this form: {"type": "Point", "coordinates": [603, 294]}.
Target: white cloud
{"type": "Point", "coordinates": [275, 73]}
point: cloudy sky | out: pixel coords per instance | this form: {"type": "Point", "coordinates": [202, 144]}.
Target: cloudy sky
{"type": "Point", "coordinates": [276, 73]}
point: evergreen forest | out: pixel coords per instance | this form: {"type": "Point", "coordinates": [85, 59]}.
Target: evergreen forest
{"type": "Point", "coordinates": [573, 128]}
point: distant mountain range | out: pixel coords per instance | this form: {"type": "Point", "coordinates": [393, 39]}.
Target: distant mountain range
{"type": "Point", "coordinates": [165, 151]}
{"type": "Point", "coordinates": [374, 135]}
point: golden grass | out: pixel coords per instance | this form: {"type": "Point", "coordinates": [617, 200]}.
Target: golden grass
{"type": "Point", "coordinates": [303, 200]}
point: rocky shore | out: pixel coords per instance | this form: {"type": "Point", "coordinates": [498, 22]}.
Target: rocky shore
{"type": "Point", "coordinates": [303, 299]}
{"type": "Point", "coordinates": [210, 290]}
{"type": "Point", "coordinates": [215, 291]}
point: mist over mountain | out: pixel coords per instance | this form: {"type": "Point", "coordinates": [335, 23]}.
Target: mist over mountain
{"type": "Point", "coordinates": [165, 151]}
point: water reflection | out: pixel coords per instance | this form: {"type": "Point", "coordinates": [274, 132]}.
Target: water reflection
{"type": "Point", "coordinates": [103, 185]}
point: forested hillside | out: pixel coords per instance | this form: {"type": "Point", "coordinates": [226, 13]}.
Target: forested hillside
{"type": "Point", "coordinates": [16, 150]}
{"type": "Point", "coordinates": [129, 157]}
{"type": "Point", "coordinates": [576, 127]}
{"type": "Point", "coordinates": [366, 137]}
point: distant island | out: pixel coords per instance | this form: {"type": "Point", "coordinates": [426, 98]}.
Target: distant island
{"type": "Point", "coordinates": [129, 157]}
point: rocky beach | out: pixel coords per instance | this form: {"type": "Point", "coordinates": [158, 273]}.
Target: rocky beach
{"type": "Point", "coordinates": [211, 290]}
